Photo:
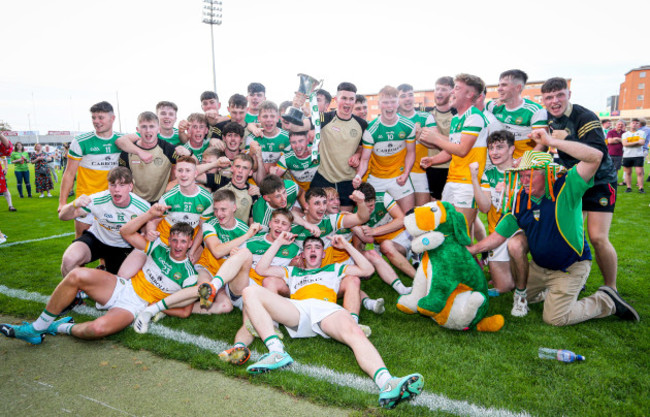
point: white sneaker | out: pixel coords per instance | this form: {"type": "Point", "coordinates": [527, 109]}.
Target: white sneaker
{"type": "Point", "coordinates": [366, 329]}
{"type": "Point", "coordinates": [141, 323]}
{"type": "Point", "coordinates": [158, 316]}
{"type": "Point", "coordinates": [3, 238]}
{"type": "Point", "coordinates": [49, 195]}
{"type": "Point", "coordinates": [519, 306]}
{"type": "Point", "coordinates": [41, 196]}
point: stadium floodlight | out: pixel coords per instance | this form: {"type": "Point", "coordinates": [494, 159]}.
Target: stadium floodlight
{"type": "Point", "coordinates": [212, 16]}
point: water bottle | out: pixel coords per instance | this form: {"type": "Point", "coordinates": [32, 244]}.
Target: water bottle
{"type": "Point", "coordinates": [560, 355]}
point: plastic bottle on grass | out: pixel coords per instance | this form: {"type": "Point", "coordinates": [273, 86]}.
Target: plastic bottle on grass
{"type": "Point", "coordinates": [560, 355]}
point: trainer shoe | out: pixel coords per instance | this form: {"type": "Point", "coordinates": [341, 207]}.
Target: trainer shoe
{"type": "Point", "coordinates": [251, 329]}
{"type": "Point", "coordinates": [400, 389]}
{"type": "Point", "coordinates": [237, 355]}
{"type": "Point", "coordinates": [628, 190]}
{"type": "Point", "coordinates": [141, 323]}
{"type": "Point", "coordinates": [519, 306]}
{"type": "Point", "coordinates": [3, 238]}
{"type": "Point", "coordinates": [379, 306]}
{"type": "Point", "coordinates": [623, 309]}
{"type": "Point", "coordinates": [207, 294]}
{"type": "Point", "coordinates": [23, 332]}
{"type": "Point", "coordinates": [158, 316]}
{"type": "Point", "coordinates": [365, 329]}
{"type": "Point", "coordinates": [54, 326]}
{"type": "Point", "coordinates": [270, 362]}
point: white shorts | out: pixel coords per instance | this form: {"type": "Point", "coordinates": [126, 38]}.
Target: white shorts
{"type": "Point", "coordinates": [459, 195]}
{"type": "Point", "coordinates": [124, 297]}
{"type": "Point", "coordinates": [312, 312]}
{"type": "Point", "coordinates": [500, 254]}
{"type": "Point", "coordinates": [236, 301]}
{"type": "Point", "coordinates": [420, 182]}
{"type": "Point", "coordinates": [390, 186]}
{"type": "Point", "coordinates": [87, 219]}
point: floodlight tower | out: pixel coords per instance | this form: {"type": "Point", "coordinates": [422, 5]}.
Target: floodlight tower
{"type": "Point", "coordinates": [212, 16]}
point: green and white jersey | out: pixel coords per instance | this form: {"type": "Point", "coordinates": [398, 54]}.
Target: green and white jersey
{"type": "Point", "coordinates": [380, 216]}
{"type": "Point", "coordinates": [262, 210]}
{"type": "Point", "coordinates": [272, 147]}
{"type": "Point", "coordinates": [161, 274]}
{"type": "Point", "coordinates": [109, 218]}
{"type": "Point", "coordinates": [520, 121]}
{"type": "Point", "coordinates": [494, 180]}
{"type": "Point", "coordinates": [329, 226]}
{"type": "Point", "coordinates": [471, 123]}
{"type": "Point", "coordinates": [212, 227]}
{"type": "Point", "coordinates": [421, 119]}
{"type": "Point", "coordinates": [302, 170]}
{"type": "Point", "coordinates": [250, 118]}
{"type": "Point", "coordinates": [388, 144]}
{"type": "Point", "coordinates": [198, 152]}
{"type": "Point", "coordinates": [320, 284]}
{"type": "Point", "coordinates": [259, 245]}
{"type": "Point", "coordinates": [175, 139]}
{"type": "Point", "coordinates": [189, 209]}
{"type": "Point", "coordinates": [96, 157]}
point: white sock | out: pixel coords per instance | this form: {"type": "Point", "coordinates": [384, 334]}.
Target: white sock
{"type": "Point", "coordinates": [381, 377]}
{"type": "Point", "coordinates": [521, 293]}
{"type": "Point", "coordinates": [274, 344]}
{"type": "Point", "coordinates": [355, 317]}
{"type": "Point", "coordinates": [155, 308]}
{"type": "Point", "coordinates": [64, 328]}
{"type": "Point", "coordinates": [217, 282]}
{"type": "Point", "coordinates": [44, 320]}
{"type": "Point", "coordinates": [368, 303]}
{"type": "Point", "coordinates": [399, 287]}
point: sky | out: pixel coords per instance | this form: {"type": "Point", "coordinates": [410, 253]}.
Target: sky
{"type": "Point", "coordinates": [60, 57]}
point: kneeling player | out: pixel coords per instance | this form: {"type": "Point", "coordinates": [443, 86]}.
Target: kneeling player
{"type": "Point", "coordinates": [312, 310]}
{"type": "Point", "coordinates": [123, 298]}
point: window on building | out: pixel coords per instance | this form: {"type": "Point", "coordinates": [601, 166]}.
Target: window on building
{"type": "Point", "coordinates": [538, 98]}
{"type": "Point", "coordinates": [642, 74]}
{"type": "Point", "coordinates": [641, 86]}
{"type": "Point", "coordinates": [639, 97]}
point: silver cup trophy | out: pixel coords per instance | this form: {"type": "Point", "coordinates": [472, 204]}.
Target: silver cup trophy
{"type": "Point", "coordinates": [308, 85]}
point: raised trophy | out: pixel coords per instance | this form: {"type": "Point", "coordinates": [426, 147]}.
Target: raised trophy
{"type": "Point", "coordinates": [308, 85]}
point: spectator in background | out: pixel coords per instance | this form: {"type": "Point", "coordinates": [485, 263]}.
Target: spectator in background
{"type": "Point", "coordinates": [645, 129]}
{"type": "Point", "coordinates": [607, 124]}
{"type": "Point", "coordinates": [43, 179]}
{"type": "Point", "coordinates": [64, 156]}
{"type": "Point", "coordinates": [51, 156]}
{"type": "Point", "coordinates": [5, 150]}
{"type": "Point", "coordinates": [20, 160]}
{"type": "Point", "coordinates": [633, 142]}
{"type": "Point", "coordinates": [615, 146]}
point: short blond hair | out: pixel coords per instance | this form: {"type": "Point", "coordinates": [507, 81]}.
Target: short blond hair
{"type": "Point", "coordinates": [388, 91]}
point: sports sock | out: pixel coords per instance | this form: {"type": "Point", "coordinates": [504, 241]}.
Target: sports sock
{"type": "Point", "coordinates": [521, 293]}
{"type": "Point", "coordinates": [44, 320]}
{"type": "Point", "coordinates": [64, 328]}
{"type": "Point", "coordinates": [355, 317]}
{"type": "Point", "coordinates": [217, 282]}
{"type": "Point", "coordinates": [8, 197]}
{"type": "Point", "coordinates": [274, 344]}
{"type": "Point", "coordinates": [155, 308]}
{"type": "Point", "coordinates": [240, 344]}
{"type": "Point", "coordinates": [399, 287]}
{"type": "Point", "coordinates": [381, 377]}
{"type": "Point", "coordinates": [368, 303]}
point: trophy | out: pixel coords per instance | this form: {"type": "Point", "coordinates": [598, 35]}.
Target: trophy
{"type": "Point", "coordinates": [308, 85]}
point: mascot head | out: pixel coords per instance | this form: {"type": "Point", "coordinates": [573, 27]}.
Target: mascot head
{"type": "Point", "coordinates": [440, 217]}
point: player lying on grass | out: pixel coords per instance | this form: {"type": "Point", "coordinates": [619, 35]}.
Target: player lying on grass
{"type": "Point", "coordinates": [166, 270]}
{"type": "Point", "coordinates": [233, 276]}
{"type": "Point", "coordinates": [312, 310]}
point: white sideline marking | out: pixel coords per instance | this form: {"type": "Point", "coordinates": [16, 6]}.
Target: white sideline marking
{"type": "Point", "coordinates": [6, 245]}
{"type": "Point", "coordinates": [434, 402]}
{"type": "Point", "coordinates": [106, 405]}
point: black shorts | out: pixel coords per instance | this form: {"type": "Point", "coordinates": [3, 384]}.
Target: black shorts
{"type": "Point", "coordinates": [112, 255]}
{"type": "Point", "coordinates": [601, 197]}
{"type": "Point", "coordinates": [635, 161]}
{"type": "Point", "coordinates": [616, 160]}
{"type": "Point", "coordinates": [344, 188]}
{"type": "Point", "coordinates": [437, 178]}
